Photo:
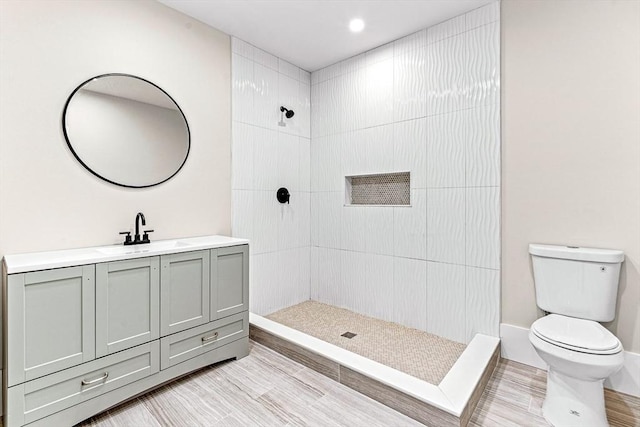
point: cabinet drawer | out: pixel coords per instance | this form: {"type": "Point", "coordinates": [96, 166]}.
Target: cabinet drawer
{"type": "Point", "coordinates": [38, 398]}
{"type": "Point", "coordinates": [193, 342]}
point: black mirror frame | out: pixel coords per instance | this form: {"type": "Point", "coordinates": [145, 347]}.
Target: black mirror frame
{"type": "Point", "coordinates": [66, 136]}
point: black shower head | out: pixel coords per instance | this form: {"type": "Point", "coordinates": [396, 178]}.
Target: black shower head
{"type": "Point", "coordinates": [288, 114]}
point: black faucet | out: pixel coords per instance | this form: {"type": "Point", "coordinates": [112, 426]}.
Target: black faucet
{"type": "Point", "coordinates": [137, 239]}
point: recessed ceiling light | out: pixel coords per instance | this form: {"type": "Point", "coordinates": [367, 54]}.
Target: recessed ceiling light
{"type": "Point", "coordinates": [356, 25]}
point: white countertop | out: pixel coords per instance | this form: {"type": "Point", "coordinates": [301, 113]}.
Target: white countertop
{"type": "Point", "coordinates": [34, 261]}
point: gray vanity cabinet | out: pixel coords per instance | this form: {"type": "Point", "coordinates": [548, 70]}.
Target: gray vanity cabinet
{"type": "Point", "coordinates": [85, 333]}
{"type": "Point", "coordinates": [53, 327]}
{"type": "Point", "coordinates": [184, 291]}
{"type": "Point", "coordinates": [127, 302]}
{"type": "Point", "coordinates": [229, 281]}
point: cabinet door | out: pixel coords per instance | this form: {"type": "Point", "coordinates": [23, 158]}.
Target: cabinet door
{"type": "Point", "coordinates": [184, 291]}
{"type": "Point", "coordinates": [127, 302]}
{"type": "Point", "coordinates": [52, 317]}
{"type": "Point", "coordinates": [229, 281]}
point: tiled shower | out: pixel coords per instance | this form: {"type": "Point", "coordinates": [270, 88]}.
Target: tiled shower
{"type": "Point", "coordinates": [427, 104]}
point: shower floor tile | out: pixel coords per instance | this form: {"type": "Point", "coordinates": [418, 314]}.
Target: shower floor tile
{"type": "Point", "coordinates": [417, 353]}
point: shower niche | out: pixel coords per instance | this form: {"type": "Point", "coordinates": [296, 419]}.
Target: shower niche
{"type": "Point", "coordinates": [385, 189]}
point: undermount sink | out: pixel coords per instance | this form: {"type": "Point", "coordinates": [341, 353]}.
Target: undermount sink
{"type": "Point", "coordinates": [142, 248]}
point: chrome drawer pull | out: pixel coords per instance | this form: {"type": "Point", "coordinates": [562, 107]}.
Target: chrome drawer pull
{"type": "Point", "coordinates": [97, 380]}
{"type": "Point", "coordinates": [210, 337]}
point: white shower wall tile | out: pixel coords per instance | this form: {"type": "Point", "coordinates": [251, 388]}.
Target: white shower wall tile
{"type": "Point", "coordinates": [378, 294]}
{"type": "Point", "coordinates": [304, 164]}
{"type": "Point", "coordinates": [379, 149]}
{"type": "Point", "coordinates": [483, 15]}
{"type": "Point", "coordinates": [242, 156]}
{"type": "Point", "coordinates": [409, 90]}
{"type": "Point", "coordinates": [326, 164]}
{"type": "Point", "coordinates": [329, 219]}
{"type": "Point", "coordinates": [410, 150]}
{"type": "Point", "coordinates": [314, 273]}
{"type": "Point", "coordinates": [288, 69]}
{"type": "Point", "coordinates": [314, 217]}
{"type": "Point", "coordinates": [353, 64]}
{"type": "Point", "coordinates": [304, 110]}
{"type": "Point", "coordinates": [304, 260]}
{"type": "Point", "coordinates": [379, 236]}
{"type": "Point", "coordinates": [265, 59]}
{"type": "Point", "coordinates": [482, 302]}
{"type": "Point", "coordinates": [410, 227]}
{"type": "Point", "coordinates": [334, 181]}
{"type": "Point", "coordinates": [354, 153]}
{"type": "Point", "coordinates": [289, 98]}
{"type": "Point", "coordinates": [293, 269]}
{"type": "Point", "coordinates": [289, 216]}
{"type": "Point", "coordinates": [318, 159]}
{"type": "Point", "coordinates": [446, 29]}
{"type": "Point", "coordinates": [265, 222]}
{"type": "Point", "coordinates": [381, 53]}
{"type": "Point", "coordinates": [411, 42]}
{"type": "Point", "coordinates": [243, 89]}
{"type": "Point", "coordinates": [303, 201]}
{"type": "Point", "coordinates": [354, 228]}
{"type": "Point", "coordinates": [445, 150]}
{"type": "Point", "coordinates": [318, 76]}
{"type": "Point", "coordinates": [446, 301]}
{"type": "Point", "coordinates": [304, 77]}
{"type": "Point", "coordinates": [335, 108]}
{"type": "Point", "coordinates": [446, 225]}
{"type": "Point", "coordinates": [483, 227]}
{"type": "Point", "coordinates": [287, 165]}
{"type": "Point", "coordinates": [352, 104]}
{"type": "Point", "coordinates": [410, 292]}
{"type": "Point", "coordinates": [265, 158]}
{"type": "Point", "coordinates": [242, 48]}
{"type": "Point", "coordinates": [288, 291]}
{"type": "Point", "coordinates": [242, 214]}
{"type": "Point", "coordinates": [263, 274]}
{"type": "Point", "coordinates": [319, 106]}
{"type": "Point", "coordinates": [353, 289]}
{"type": "Point", "coordinates": [446, 73]}
{"type": "Point", "coordinates": [483, 65]}
{"type": "Point", "coordinates": [379, 97]}
{"type": "Point", "coordinates": [482, 146]}
{"type": "Point", "coordinates": [266, 108]}
{"type": "Point", "coordinates": [329, 279]}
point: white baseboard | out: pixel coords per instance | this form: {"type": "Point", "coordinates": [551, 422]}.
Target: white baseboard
{"type": "Point", "coordinates": [515, 346]}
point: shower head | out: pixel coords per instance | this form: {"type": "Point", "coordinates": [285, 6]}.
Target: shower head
{"type": "Point", "coordinates": [287, 113]}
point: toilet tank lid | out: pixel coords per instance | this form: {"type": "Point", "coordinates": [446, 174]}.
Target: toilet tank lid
{"type": "Point", "coordinates": [577, 253]}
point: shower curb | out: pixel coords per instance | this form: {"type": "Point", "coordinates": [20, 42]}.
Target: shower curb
{"type": "Point", "coordinates": [434, 407]}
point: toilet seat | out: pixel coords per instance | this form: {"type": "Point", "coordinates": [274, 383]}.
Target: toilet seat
{"type": "Point", "coordinates": [584, 336]}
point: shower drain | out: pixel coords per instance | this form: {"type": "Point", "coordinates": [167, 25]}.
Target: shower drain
{"type": "Point", "coordinates": [348, 335]}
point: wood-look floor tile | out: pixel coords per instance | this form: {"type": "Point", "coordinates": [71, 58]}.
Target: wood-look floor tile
{"type": "Point", "coordinates": [184, 404]}
{"type": "Point", "coordinates": [131, 414]}
{"type": "Point", "coordinates": [225, 396]}
{"type": "Point", "coordinates": [229, 421]}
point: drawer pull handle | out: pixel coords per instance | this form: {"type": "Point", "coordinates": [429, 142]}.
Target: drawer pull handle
{"type": "Point", "coordinates": [97, 380]}
{"type": "Point", "coordinates": [210, 337]}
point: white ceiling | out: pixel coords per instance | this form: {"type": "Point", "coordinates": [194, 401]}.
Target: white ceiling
{"type": "Point", "coordinates": [313, 34]}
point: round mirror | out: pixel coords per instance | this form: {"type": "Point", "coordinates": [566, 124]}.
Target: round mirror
{"type": "Point", "coordinates": [126, 130]}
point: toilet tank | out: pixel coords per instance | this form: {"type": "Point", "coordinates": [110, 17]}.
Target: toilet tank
{"type": "Point", "coordinates": [576, 282]}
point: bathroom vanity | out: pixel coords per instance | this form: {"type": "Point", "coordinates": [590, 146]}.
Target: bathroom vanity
{"type": "Point", "coordinates": [86, 329]}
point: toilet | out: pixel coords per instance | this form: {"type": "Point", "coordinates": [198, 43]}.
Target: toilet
{"type": "Point", "coordinates": [577, 288]}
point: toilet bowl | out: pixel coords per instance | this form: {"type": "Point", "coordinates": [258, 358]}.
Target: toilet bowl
{"type": "Point", "coordinates": [580, 354]}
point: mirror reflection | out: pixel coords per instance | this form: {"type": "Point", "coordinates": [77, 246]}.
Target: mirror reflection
{"type": "Point", "coordinates": [126, 130]}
